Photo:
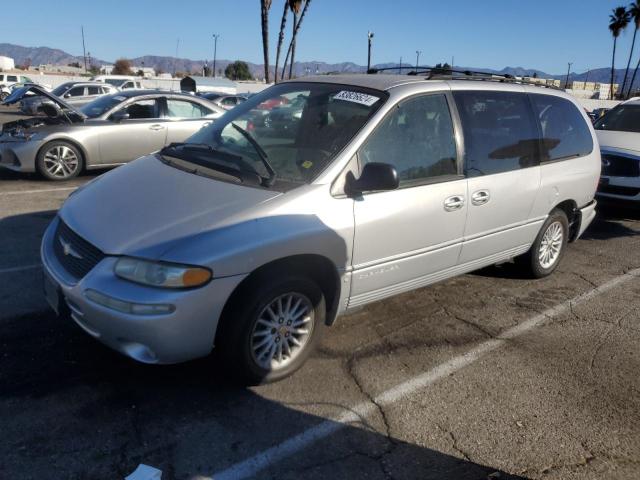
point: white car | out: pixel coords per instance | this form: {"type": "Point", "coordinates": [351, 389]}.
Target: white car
{"type": "Point", "coordinates": [619, 136]}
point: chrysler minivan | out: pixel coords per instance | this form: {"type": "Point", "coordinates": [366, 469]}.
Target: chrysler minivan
{"type": "Point", "coordinates": [251, 237]}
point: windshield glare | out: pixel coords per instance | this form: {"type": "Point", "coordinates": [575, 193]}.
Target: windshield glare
{"type": "Point", "coordinates": [101, 105]}
{"type": "Point", "coordinates": [60, 89]}
{"type": "Point", "coordinates": [623, 118]}
{"type": "Point", "coordinates": [300, 127]}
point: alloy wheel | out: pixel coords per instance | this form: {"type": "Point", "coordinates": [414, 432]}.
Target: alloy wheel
{"type": "Point", "coordinates": [551, 245]}
{"type": "Point", "coordinates": [282, 331]}
{"type": "Point", "coordinates": [61, 161]}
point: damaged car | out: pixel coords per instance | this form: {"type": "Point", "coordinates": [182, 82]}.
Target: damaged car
{"type": "Point", "coordinates": [110, 131]}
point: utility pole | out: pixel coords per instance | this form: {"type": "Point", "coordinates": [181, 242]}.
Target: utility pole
{"type": "Point", "coordinates": [84, 52]}
{"type": "Point", "coordinates": [400, 67]}
{"type": "Point", "coordinates": [175, 59]}
{"type": "Point", "coordinates": [215, 52]}
{"type": "Point", "coordinates": [369, 38]}
{"type": "Point", "coordinates": [566, 83]}
{"type": "Point", "coordinates": [586, 78]}
{"type": "Point", "coordinates": [418, 52]}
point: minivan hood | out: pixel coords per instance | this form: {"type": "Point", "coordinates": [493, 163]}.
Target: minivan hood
{"type": "Point", "coordinates": [620, 140]}
{"type": "Point", "coordinates": [21, 94]}
{"type": "Point", "coordinates": [145, 207]}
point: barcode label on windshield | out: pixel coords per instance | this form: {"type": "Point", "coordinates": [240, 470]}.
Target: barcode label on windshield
{"type": "Point", "coordinates": [356, 97]}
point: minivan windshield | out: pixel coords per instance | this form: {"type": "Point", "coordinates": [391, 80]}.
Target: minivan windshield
{"type": "Point", "coordinates": [288, 133]}
{"type": "Point", "coordinates": [623, 118]}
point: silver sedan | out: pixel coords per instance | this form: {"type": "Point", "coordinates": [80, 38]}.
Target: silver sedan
{"type": "Point", "coordinates": [109, 131]}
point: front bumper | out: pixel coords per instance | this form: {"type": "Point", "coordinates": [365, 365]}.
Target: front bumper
{"type": "Point", "coordinates": [184, 334]}
{"type": "Point", "coordinates": [18, 155]}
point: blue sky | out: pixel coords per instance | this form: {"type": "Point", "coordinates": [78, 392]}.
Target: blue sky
{"type": "Point", "coordinates": [545, 34]}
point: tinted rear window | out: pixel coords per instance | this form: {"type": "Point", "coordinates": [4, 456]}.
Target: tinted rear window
{"type": "Point", "coordinates": [564, 130]}
{"type": "Point", "coordinates": [623, 118]}
{"type": "Point", "coordinates": [500, 133]}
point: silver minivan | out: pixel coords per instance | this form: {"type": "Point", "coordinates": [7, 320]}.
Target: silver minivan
{"type": "Point", "coordinates": [253, 237]}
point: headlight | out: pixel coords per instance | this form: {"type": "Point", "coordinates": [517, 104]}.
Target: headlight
{"type": "Point", "coordinates": [165, 275]}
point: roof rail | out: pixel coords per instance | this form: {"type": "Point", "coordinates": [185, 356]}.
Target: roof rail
{"type": "Point", "coordinates": [452, 74]}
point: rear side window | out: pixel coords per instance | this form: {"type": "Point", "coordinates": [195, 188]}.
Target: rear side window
{"type": "Point", "coordinates": [417, 139]}
{"type": "Point", "coordinates": [499, 131]}
{"type": "Point", "coordinates": [564, 131]}
{"type": "Point", "coordinates": [184, 109]}
{"type": "Point", "coordinates": [12, 78]}
{"type": "Point", "coordinates": [93, 90]}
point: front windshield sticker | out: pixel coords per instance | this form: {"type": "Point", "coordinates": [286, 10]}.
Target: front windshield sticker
{"type": "Point", "coordinates": [356, 97]}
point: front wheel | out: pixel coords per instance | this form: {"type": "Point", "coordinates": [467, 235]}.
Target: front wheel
{"type": "Point", "coordinates": [549, 246]}
{"type": "Point", "coordinates": [269, 335]}
{"type": "Point", "coordinates": [59, 160]}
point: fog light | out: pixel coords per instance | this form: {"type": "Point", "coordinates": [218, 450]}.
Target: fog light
{"type": "Point", "coordinates": [128, 307]}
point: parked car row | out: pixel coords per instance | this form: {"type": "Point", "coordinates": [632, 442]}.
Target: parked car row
{"type": "Point", "coordinates": [260, 229]}
{"type": "Point", "coordinates": [112, 130]}
{"type": "Point", "coordinates": [74, 93]}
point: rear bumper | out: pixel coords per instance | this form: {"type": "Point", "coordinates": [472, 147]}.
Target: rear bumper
{"type": "Point", "coordinates": [587, 214]}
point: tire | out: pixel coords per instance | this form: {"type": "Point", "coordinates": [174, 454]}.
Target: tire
{"type": "Point", "coordinates": [249, 323]}
{"type": "Point", "coordinates": [548, 248]}
{"type": "Point", "coordinates": [59, 160]}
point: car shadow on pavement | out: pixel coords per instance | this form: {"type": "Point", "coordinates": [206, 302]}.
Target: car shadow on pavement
{"type": "Point", "coordinates": [609, 223]}
{"type": "Point", "coordinates": [73, 407]}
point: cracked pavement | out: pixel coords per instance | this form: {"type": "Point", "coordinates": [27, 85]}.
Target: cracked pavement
{"type": "Point", "coordinates": [561, 401]}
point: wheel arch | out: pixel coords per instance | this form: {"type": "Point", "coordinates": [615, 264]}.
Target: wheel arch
{"type": "Point", "coordinates": [318, 267]}
{"type": "Point", "coordinates": [570, 208]}
{"type": "Point", "coordinates": [76, 144]}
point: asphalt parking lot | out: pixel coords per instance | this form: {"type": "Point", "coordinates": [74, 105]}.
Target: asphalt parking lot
{"type": "Point", "coordinates": [485, 376]}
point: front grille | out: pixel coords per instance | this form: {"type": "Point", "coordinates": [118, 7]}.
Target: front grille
{"type": "Point", "coordinates": [618, 190]}
{"type": "Point", "coordinates": [619, 166]}
{"type": "Point", "coordinates": [74, 253]}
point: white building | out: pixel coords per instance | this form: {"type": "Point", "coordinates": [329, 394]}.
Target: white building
{"type": "Point", "coordinates": [7, 63]}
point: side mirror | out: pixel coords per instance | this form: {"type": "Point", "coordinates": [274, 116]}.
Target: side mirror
{"type": "Point", "coordinates": [119, 116]}
{"type": "Point", "coordinates": [374, 177]}
{"type": "Point", "coordinates": [67, 95]}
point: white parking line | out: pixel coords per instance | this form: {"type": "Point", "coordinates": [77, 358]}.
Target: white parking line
{"type": "Point", "coordinates": [44, 190]}
{"type": "Point", "coordinates": [19, 269]}
{"type": "Point", "coordinates": [251, 466]}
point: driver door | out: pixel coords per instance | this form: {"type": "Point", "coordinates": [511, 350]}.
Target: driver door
{"type": "Point", "coordinates": [143, 132]}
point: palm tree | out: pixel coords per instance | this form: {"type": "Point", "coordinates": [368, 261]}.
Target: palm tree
{"type": "Point", "coordinates": [634, 14]}
{"type": "Point", "coordinates": [617, 22]}
{"type": "Point", "coordinates": [296, 6]}
{"type": "Point", "coordinates": [283, 24]}
{"type": "Point", "coordinates": [295, 35]}
{"type": "Point", "coordinates": [265, 5]}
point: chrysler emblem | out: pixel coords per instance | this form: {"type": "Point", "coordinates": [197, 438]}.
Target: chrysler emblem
{"type": "Point", "coordinates": [68, 249]}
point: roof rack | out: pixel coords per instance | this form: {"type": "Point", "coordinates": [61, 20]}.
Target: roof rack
{"type": "Point", "coordinates": [452, 74]}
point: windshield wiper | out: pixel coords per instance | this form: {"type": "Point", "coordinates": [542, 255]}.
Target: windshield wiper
{"type": "Point", "coordinates": [241, 174]}
{"type": "Point", "coordinates": [261, 153]}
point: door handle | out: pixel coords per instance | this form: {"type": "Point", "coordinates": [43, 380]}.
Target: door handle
{"type": "Point", "coordinates": [455, 202]}
{"type": "Point", "coordinates": [480, 197]}
{"type": "Point", "coordinates": [156, 127]}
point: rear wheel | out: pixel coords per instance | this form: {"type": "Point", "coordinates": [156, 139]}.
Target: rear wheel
{"type": "Point", "coordinates": [269, 336]}
{"type": "Point", "coordinates": [548, 248]}
{"type": "Point", "coordinates": [59, 160]}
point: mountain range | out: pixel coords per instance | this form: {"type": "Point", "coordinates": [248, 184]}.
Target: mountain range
{"type": "Point", "coordinates": [44, 55]}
